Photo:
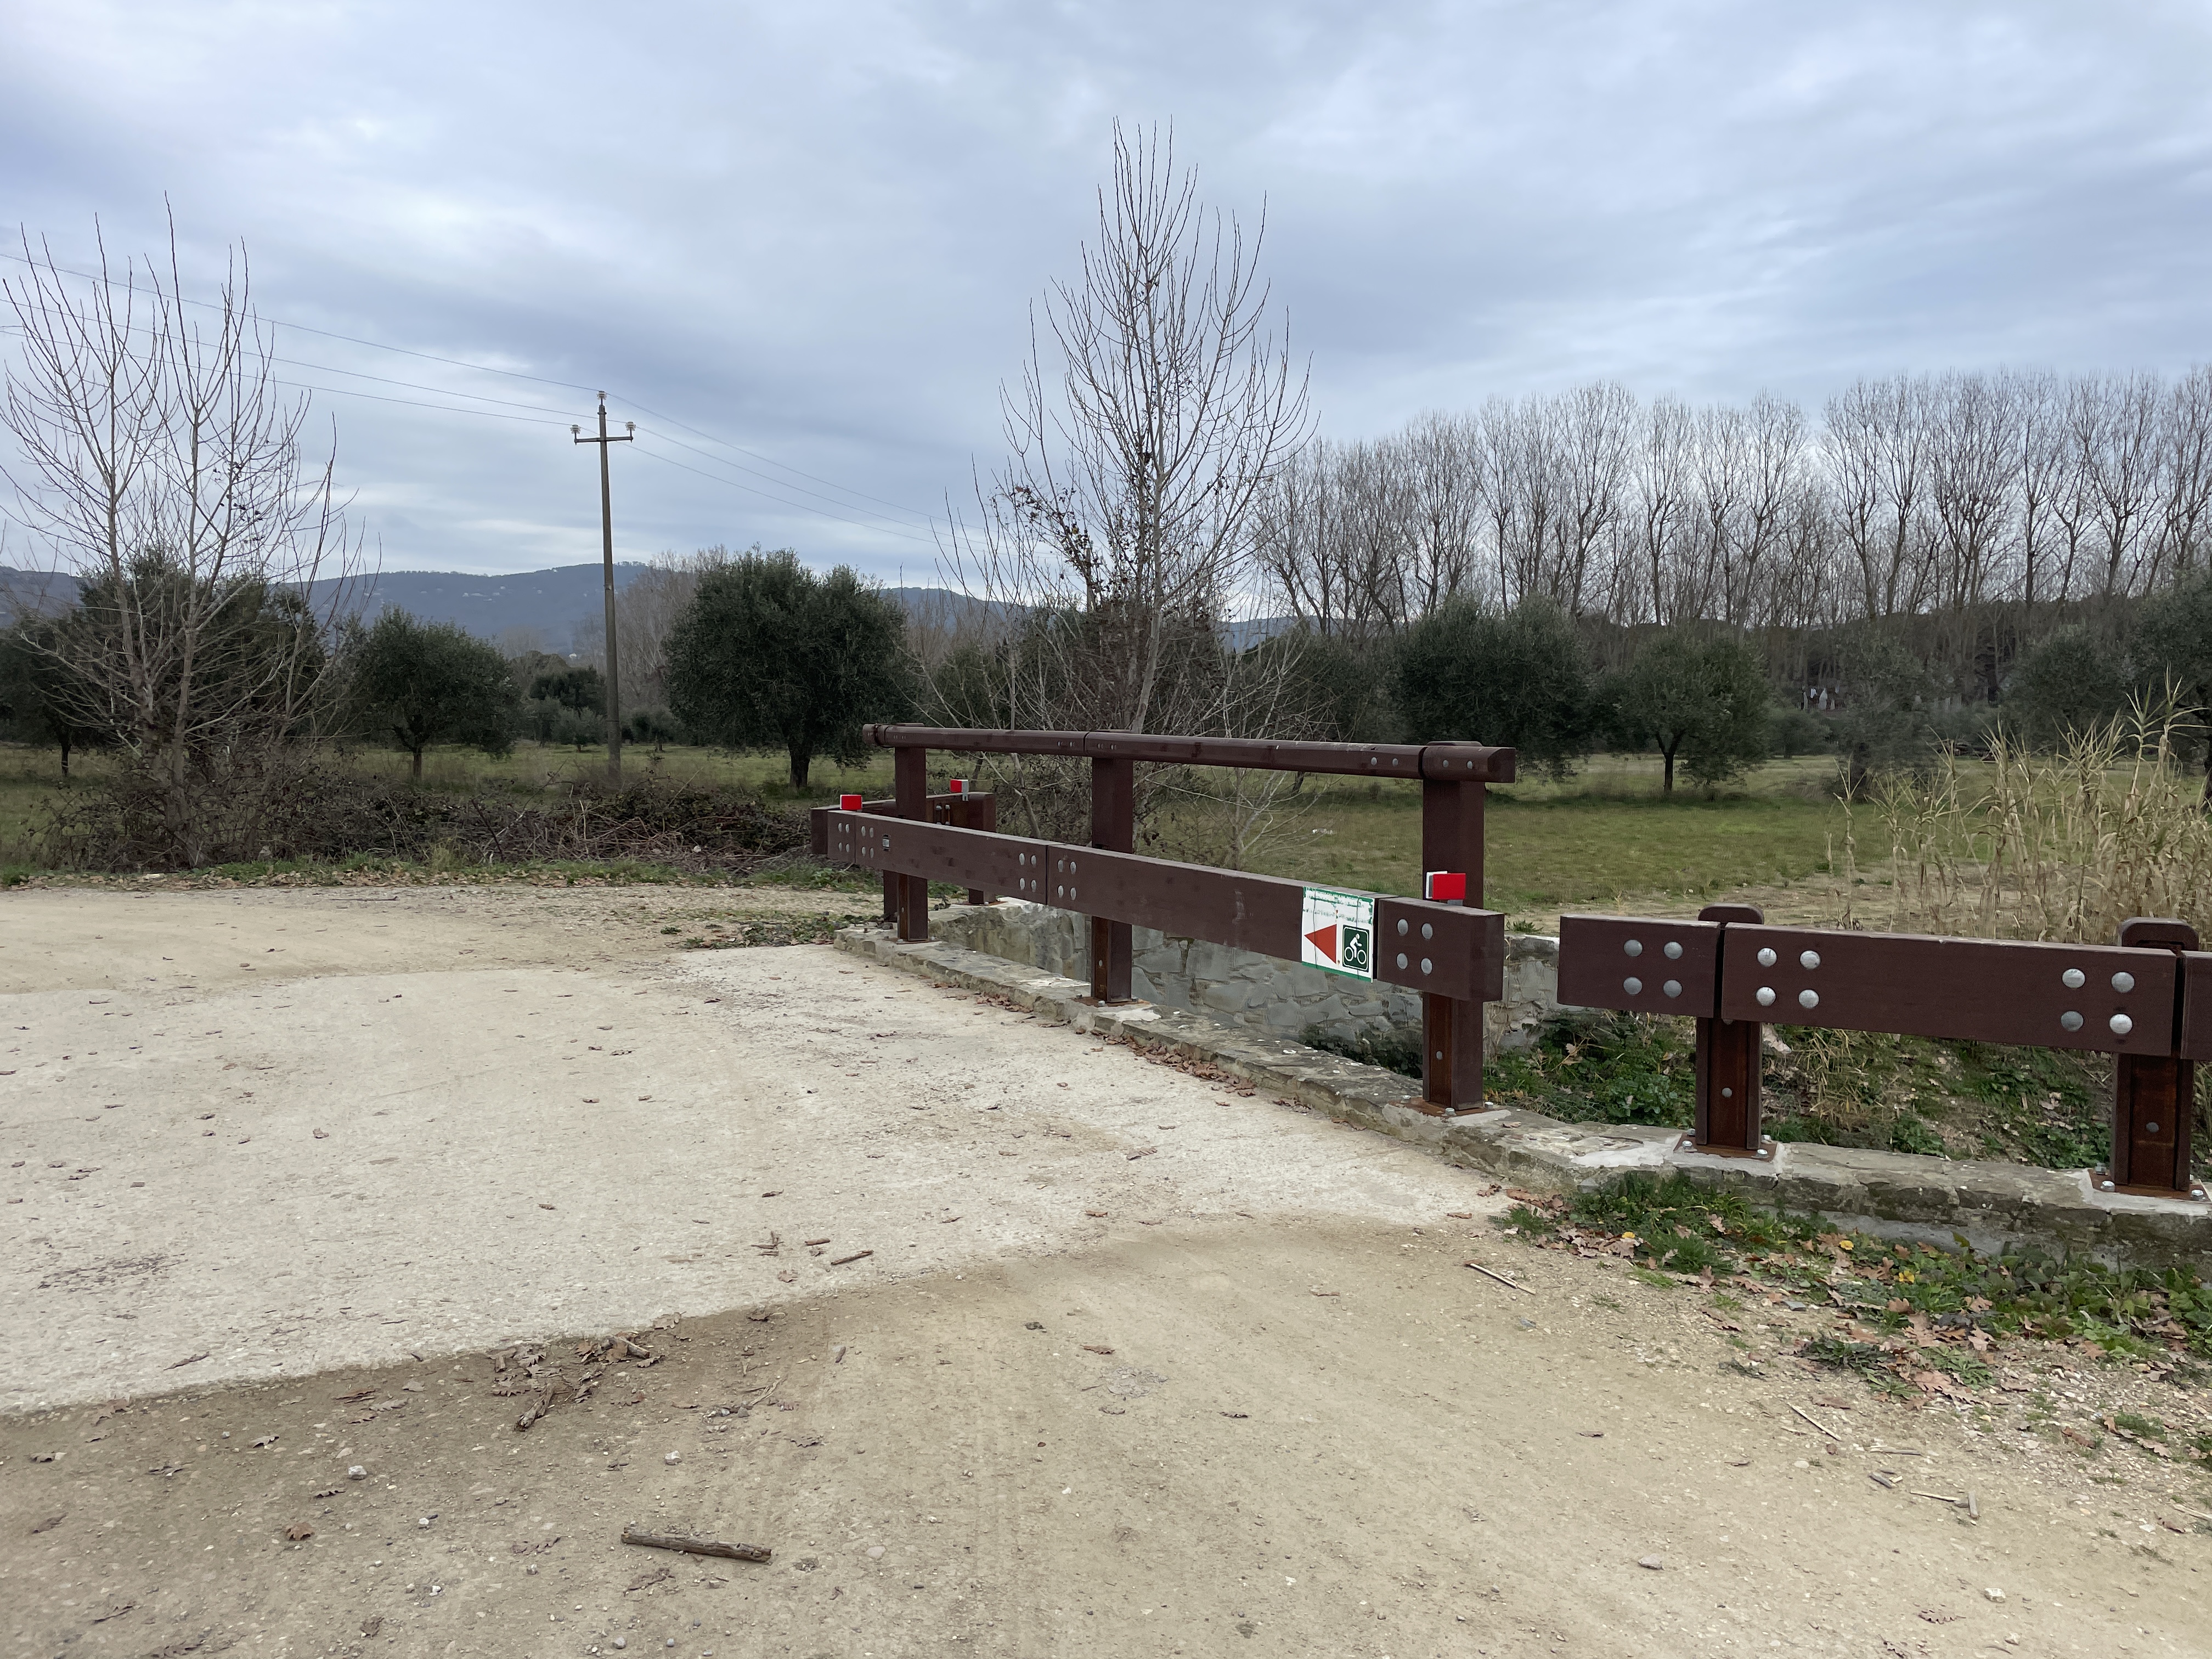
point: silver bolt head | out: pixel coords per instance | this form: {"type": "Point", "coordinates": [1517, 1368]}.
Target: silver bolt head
{"type": "Point", "coordinates": [2104, 1186]}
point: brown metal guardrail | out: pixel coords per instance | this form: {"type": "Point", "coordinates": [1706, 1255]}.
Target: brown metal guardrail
{"type": "Point", "coordinates": [2146, 1001]}
{"type": "Point", "coordinates": [1452, 952]}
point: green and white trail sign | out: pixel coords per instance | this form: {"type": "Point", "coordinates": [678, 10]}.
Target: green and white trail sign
{"type": "Point", "coordinates": [1337, 932]}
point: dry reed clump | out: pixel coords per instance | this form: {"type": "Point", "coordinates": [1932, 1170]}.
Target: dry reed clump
{"type": "Point", "coordinates": [2061, 847]}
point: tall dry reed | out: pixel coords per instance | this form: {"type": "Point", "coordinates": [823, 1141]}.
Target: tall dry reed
{"type": "Point", "coordinates": [2063, 846]}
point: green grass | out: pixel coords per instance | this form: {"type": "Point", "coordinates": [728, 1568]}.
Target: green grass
{"type": "Point", "coordinates": [1549, 847]}
{"type": "Point", "coordinates": [1678, 1226]}
{"type": "Point", "coordinates": [1589, 1066]}
{"type": "Point", "coordinates": [1902, 1094]}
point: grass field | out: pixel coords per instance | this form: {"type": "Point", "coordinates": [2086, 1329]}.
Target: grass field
{"type": "Point", "coordinates": [1605, 835]}
{"type": "Point", "coordinates": [1602, 836]}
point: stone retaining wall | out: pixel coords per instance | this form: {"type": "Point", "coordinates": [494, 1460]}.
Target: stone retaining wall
{"type": "Point", "coordinates": [1263, 993]}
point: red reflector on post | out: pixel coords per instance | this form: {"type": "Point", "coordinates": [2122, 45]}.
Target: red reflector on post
{"type": "Point", "coordinates": [958, 785]}
{"type": "Point", "coordinates": [848, 803]}
{"type": "Point", "coordinates": [1445, 887]}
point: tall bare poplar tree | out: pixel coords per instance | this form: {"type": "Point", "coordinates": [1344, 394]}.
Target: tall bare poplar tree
{"type": "Point", "coordinates": [1155, 407]}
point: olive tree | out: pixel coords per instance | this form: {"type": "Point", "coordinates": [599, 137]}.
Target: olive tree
{"type": "Point", "coordinates": [770, 655]}
{"type": "Point", "coordinates": [424, 683]}
{"type": "Point", "coordinates": [1519, 679]}
{"type": "Point", "coordinates": [1704, 702]}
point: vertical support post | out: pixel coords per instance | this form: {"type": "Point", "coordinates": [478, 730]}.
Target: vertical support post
{"type": "Point", "coordinates": [973, 811]}
{"type": "Point", "coordinates": [1451, 1028]}
{"type": "Point", "coordinates": [1727, 1105]}
{"type": "Point", "coordinates": [1728, 1086]}
{"type": "Point", "coordinates": [910, 790]}
{"type": "Point", "coordinates": [2153, 1096]}
{"type": "Point", "coordinates": [1113, 830]}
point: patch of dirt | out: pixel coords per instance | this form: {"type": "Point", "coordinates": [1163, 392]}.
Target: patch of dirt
{"type": "Point", "coordinates": [1427, 1461]}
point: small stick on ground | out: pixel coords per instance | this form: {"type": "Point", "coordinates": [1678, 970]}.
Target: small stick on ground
{"type": "Point", "coordinates": [857, 1255]}
{"type": "Point", "coordinates": [1508, 1283]}
{"type": "Point", "coordinates": [661, 1540]}
{"type": "Point", "coordinates": [1973, 1505]}
{"type": "Point", "coordinates": [1815, 1422]}
{"type": "Point", "coordinates": [1940, 1497]}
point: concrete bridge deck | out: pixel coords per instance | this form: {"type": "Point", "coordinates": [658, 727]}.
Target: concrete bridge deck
{"type": "Point", "coordinates": [1135, 1364]}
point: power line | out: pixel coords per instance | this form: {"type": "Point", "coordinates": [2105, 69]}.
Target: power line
{"type": "Point", "coordinates": [779, 482]}
{"type": "Point", "coordinates": [351, 339]}
{"type": "Point", "coordinates": [732, 483]}
{"type": "Point", "coordinates": [547, 416]}
{"type": "Point", "coordinates": [414, 403]}
{"type": "Point", "coordinates": [381, 379]}
{"type": "Point", "coordinates": [742, 450]}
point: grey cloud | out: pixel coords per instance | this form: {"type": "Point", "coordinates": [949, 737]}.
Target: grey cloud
{"type": "Point", "coordinates": [816, 231]}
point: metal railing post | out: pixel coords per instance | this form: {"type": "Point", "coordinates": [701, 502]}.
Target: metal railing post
{"type": "Point", "coordinates": [2153, 1096]}
{"type": "Point", "coordinates": [973, 812]}
{"type": "Point", "coordinates": [1728, 1103]}
{"type": "Point", "coordinates": [1451, 1028]}
{"type": "Point", "coordinates": [910, 790]}
{"type": "Point", "coordinates": [1113, 828]}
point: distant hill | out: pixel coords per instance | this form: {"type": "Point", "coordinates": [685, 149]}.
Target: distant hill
{"type": "Point", "coordinates": [549, 602]}
{"type": "Point", "coordinates": [501, 608]}
{"type": "Point", "coordinates": [32, 592]}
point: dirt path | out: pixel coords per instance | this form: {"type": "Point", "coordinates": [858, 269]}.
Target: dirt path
{"type": "Point", "coordinates": [1316, 1431]}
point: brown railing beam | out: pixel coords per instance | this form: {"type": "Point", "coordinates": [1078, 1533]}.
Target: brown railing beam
{"type": "Point", "coordinates": [2146, 1001]}
{"type": "Point", "coordinates": [969, 810]}
{"type": "Point", "coordinates": [973, 810]}
{"type": "Point", "coordinates": [1462, 762]}
{"type": "Point", "coordinates": [1458, 951]}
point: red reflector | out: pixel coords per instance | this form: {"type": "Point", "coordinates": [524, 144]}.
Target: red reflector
{"type": "Point", "coordinates": [1445, 887]}
{"type": "Point", "coordinates": [959, 786]}
{"type": "Point", "coordinates": [849, 803]}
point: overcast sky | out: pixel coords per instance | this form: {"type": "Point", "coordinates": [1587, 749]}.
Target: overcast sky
{"type": "Point", "coordinates": [814, 231]}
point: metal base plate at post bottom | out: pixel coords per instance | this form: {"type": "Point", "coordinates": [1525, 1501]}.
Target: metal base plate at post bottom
{"type": "Point", "coordinates": [2100, 1180]}
{"type": "Point", "coordinates": [1766, 1153]}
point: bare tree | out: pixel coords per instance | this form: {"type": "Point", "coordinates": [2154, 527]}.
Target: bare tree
{"type": "Point", "coordinates": [647, 610]}
{"type": "Point", "coordinates": [1140, 449]}
{"type": "Point", "coordinates": [1156, 409]}
{"type": "Point", "coordinates": [2184, 477]}
{"type": "Point", "coordinates": [2116, 432]}
{"type": "Point", "coordinates": [2047, 478]}
{"type": "Point", "coordinates": [1662, 506]}
{"type": "Point", "coordinates": [161, 464]}
{"type": "Point", "coordinates": [1446, 503]}
{"type": "Point", "coordinates": [1876, 446]}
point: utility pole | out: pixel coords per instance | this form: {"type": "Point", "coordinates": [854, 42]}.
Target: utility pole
{"type": "Point", "coordinates": [607, 545]}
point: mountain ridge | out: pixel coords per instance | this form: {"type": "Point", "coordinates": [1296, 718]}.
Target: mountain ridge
{"type": "Point", "coordinates": [503, 609]}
